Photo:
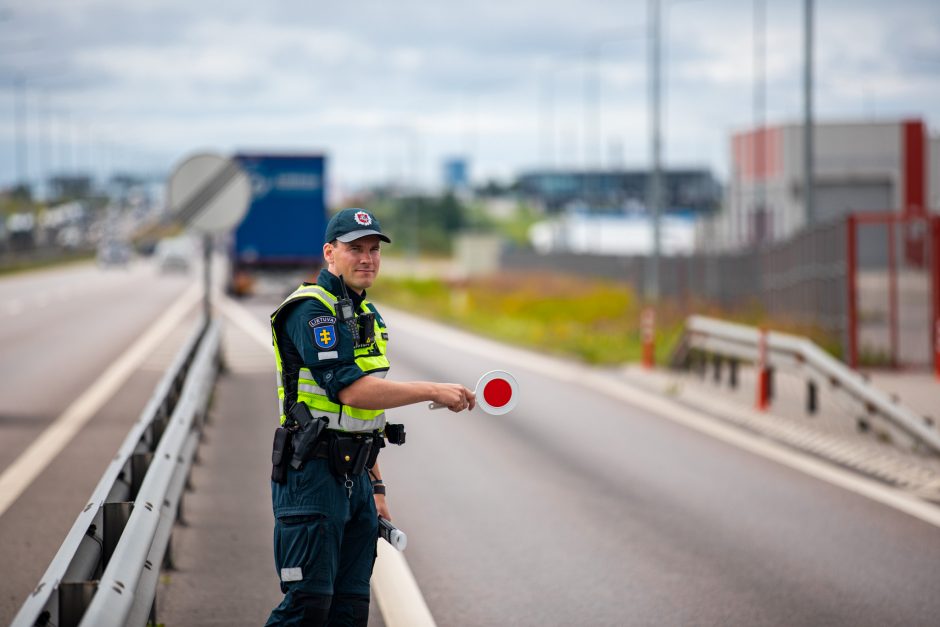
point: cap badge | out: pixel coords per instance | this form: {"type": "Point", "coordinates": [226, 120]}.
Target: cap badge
{"type": "Point", "coordinates": [363, 218]}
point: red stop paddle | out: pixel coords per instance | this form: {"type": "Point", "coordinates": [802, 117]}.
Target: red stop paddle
{"type": "Point", "coordinates": [496, 393]}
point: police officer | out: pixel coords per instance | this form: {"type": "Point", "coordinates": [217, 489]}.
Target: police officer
{"type": "Point", "coordinates": [330, 347]}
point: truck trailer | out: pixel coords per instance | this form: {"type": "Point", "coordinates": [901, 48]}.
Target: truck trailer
{"type": "Point", "coordinates": [280, 240]}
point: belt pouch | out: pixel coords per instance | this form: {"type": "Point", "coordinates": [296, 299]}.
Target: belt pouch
{"type": "Point", "coordinates": [343, 452]}
{"type": "Point", "coordinates": [280, 454]}
{"type": "Point", "coordinates": [395, 433]}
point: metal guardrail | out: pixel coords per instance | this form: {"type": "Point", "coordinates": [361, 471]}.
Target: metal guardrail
{"type": "Point", "coordinates": [106, 570]}
{"type": "Point", "coordinates": [790, 352]}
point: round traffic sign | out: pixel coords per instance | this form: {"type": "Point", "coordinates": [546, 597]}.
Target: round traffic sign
{"type": "Point", "coordinates": [208, 193]}
{"type": "Point", "coordinates": [496, 392]}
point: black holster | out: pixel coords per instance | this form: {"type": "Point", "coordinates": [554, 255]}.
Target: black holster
{"type": "Point", "coordinates": [308, 431]}
{"type": "Point", "coordinates": [280, 454]}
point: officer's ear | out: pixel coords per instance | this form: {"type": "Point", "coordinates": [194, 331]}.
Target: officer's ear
{"type": "Point", "coordinates": [328, 249]}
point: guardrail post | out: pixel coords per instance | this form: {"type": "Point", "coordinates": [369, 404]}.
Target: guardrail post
{"type": "Point", "coordinates": [763, 378]}
{"type": "Point", "coordinates": [716, 364]}
{"type": "Point", "coordinates": [74, 598]}
{"type": "Point", "coordinates": [701, 363]}
{"type": "Point", "coordinates": [811, 399]}
{"type": "Point", "coordinates": [733, 373]}
{"type": "Point", "coordinates": [648, 336]}
{"type": "Point", "coordinates": [140, 462]}
{"type": "Point", "coordinates": [158, 426]}
{"type": "Point", "coordinates": [168, 562]}
{"type": "Point", "coordinates": [115, 518]}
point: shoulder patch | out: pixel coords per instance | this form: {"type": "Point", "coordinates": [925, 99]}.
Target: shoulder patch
{"type": "Point", "coordinates": [322, 320]}
{"type": "Point", "coordinates": [324, 336]}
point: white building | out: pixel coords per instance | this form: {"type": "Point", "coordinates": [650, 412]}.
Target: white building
{"type": "Point", "coordinates": [859, 166]}
{"type": "Point", "coordinates": [620, 235]}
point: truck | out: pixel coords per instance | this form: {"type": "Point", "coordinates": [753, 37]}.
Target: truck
{"type": "Point", "coordinates": [279, 242]}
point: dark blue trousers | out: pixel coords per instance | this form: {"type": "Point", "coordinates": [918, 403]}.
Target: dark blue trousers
{"type": "Point", "coordinates": [325, 538]}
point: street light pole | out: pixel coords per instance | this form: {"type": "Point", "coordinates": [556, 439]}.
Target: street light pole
{"type": "Point", "coordinates": [760, 136]}
{"type": "Point", "coordinates": [592, 113]}
{"type": "Point", "coordinates": [20, 125]}
{"type": "Point", "coordinates": [655, 189]}
{"type": "Point", "coordinates": [808, 184]}
{"type": "Point", "coordinates": [547, 121]}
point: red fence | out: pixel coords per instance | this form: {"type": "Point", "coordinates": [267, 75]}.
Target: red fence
{"type": "Point", "coordinates": [872, 279]}
{"type": "Point", "coordinates": [893, 289]}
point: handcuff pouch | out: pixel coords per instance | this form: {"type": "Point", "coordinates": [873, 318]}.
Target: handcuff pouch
{"type": "Point", "coordinates": [280, 454]}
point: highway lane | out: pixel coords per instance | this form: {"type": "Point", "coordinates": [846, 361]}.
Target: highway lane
{"type": "Point", "coordinates": [578, 509]}
{"type": "Point", "coordinates": [59, 330]}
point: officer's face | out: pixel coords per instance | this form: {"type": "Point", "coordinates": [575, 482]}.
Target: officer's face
{"type": "Point", "coordinates": [357, 261]}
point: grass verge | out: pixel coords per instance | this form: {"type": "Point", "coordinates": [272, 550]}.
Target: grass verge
{"type": "Point", "coordinates": [595, 321]}
{"type": "Point", "coordinates": [14, 266]}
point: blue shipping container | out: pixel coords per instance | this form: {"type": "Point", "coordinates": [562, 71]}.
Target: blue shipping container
{"type": "Point", "coordinates": [286, 220]}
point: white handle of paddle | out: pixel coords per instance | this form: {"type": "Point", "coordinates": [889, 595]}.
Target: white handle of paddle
{"type": "Point", "coordinates": [436, 406]}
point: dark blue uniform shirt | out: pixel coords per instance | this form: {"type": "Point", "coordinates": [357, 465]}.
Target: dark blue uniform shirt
{"type": "Point", "coordinates": [333, 368]}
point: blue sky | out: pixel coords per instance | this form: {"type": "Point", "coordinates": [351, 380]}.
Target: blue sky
{"type": "Point", "coordinates": [387, 89]}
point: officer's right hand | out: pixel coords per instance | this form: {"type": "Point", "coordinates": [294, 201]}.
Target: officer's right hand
{"type": "Point", "coordinates": [454, 396]}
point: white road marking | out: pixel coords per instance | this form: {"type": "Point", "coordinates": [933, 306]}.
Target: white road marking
{"type": "Point", "coordinates": [22, 472]}
{"type": "Point", "coordinates": [245, 321]}
{"type": "Point", "coordinates": [396, 590]}
{"type": "Point", "coordinates": [572, 372]}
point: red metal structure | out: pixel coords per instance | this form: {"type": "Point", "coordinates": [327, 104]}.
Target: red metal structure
{"type": "Point", "coordinates": [893, 265]}
{"type": "Point", "coordinates": [935, 239]}
{"type": "Point", "coordinates": [648, 336]}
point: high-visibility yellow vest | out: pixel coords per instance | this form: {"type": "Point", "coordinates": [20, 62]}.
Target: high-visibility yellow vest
{"type": "Point", "coordinates": [371, 359]}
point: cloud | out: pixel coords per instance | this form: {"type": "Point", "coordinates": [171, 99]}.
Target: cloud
{"type": "Point", "coordinates": [497, 80]}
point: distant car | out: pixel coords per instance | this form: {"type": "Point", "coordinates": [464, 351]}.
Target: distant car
{"type": "Point", "coordinates": [174, 254]}
{"type": "Point", "coordinates": [113, 252]}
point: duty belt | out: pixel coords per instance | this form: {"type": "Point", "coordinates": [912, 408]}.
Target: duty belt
{"type": "Point", "coordinates": [322, 448]}
{"type": "Point", "coordinates": [348, 454]}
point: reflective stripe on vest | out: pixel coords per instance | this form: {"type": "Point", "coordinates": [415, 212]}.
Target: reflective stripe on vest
{"type": "Point", "coordinates": [371, 359]}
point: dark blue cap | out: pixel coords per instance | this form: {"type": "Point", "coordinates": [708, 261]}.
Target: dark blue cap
{"type": "Point", "coordinates": [353, 223]}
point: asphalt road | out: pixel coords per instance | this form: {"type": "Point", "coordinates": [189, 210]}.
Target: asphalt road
{"type": "Point", "coordinates": [574, 509]}
{"type": "Point", "coordinates": [59, 330]}
{"type": "Point", "coordinates": [579, 509]}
